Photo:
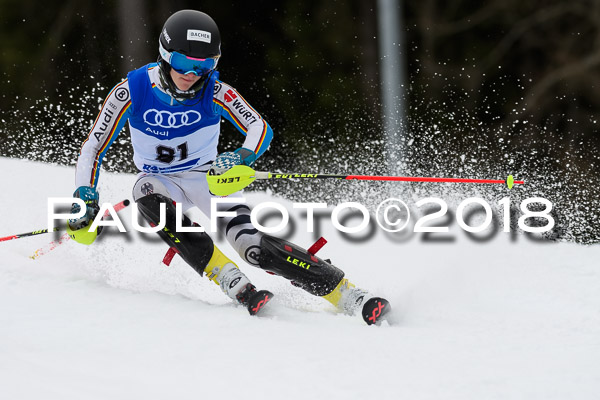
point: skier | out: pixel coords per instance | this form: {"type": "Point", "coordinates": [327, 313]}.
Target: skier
{"type": "Point", "coordinates": [174, 108]}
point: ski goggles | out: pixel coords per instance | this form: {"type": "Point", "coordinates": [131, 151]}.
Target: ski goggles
{"type": "Point", "coordinates": [188, 65]}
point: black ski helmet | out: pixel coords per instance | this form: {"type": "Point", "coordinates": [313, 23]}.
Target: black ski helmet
{"type": "Point", "coordinates": [193, 34]}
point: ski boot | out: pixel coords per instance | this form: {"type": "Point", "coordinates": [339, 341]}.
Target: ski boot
{"type": "Point", "coordinates": [235, 284]}
{"type": "Point", "coordinates": [349, 299]}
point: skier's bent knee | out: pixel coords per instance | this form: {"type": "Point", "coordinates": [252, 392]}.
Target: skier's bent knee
{"type": "Point", "coordinates": [196, 248]}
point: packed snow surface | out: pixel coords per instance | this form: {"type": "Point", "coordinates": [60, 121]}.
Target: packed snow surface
{"type": "Point", "coordinates": [503, 318]}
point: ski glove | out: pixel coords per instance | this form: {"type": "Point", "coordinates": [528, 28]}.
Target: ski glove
{"type": "Point", "coordinates": [78, 228]}
{"type": "Point", "coordinates": [225, 161]}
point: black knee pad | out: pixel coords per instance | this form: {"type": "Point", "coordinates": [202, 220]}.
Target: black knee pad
{"type": "Point", "coordinates": [305, 270]}
{"type": "Point", "coordinates": [196, 248]}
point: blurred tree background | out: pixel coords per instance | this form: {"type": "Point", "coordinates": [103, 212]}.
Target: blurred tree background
{"type": "Point", "coordinates": [492, 87]}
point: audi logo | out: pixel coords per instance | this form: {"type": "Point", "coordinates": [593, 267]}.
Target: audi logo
{"type": "Point", "coordinates": [166, 119]}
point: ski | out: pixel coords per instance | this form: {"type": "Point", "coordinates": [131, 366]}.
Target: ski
{"type": "Point", "coordinates": [258, 301]}
{"type": "Point", "coordinates": [376, 310]}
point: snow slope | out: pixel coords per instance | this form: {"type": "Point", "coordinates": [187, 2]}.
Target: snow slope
{"type": "Point", "coordinates": [507, 318]}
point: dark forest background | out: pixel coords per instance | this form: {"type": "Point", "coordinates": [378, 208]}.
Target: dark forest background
{"type": "Point", "coordinates": [495, 87]}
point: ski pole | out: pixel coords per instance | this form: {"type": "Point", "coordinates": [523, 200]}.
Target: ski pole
{"type": "Point", "coordinates": [65, 236]}
{"type": "Point", "coordinates": [20, 235]}
{"type": "Point", "coordinates": [240, 176]}
{"type": "Point", "coordinates": [509, 181]}
{"type": "Point", "coordinates": [42, 231]}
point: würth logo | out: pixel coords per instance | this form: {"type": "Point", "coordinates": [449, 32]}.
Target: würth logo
{"type": "Point", "coordinates": [230, 95]}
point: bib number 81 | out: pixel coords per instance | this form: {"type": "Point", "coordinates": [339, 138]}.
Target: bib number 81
{"type": "Point", "coordinates": [167, 154]}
